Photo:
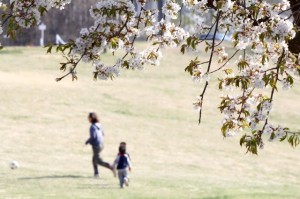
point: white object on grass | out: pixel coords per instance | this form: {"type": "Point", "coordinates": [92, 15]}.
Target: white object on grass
{"type": "Point", "coordinates": [14, 165]}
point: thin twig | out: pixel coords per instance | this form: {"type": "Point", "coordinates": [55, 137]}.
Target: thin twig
{"type": "Point", "coordinates": [293, 132]}
{"type": "Point", "coordinates": [297, 4]}
{"type": "Point", "coordinates": [273, 89]}
{"type": "Point", "coordinates": [208, 32]}
{"type": "Point", "coordinates": [208, 67]}
{"type": "Point", "coordinates": [222, 39]}
{"type": "Point", "coordinates": [224, 63]}
{"type": "Point", "coordinates": [201, 101]}
{"type": "Point", "coordinates": [275, 68]}
{"type": "Point", "coordinates": [180, 16]}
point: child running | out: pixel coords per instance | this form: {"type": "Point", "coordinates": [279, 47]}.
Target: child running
{"type": "Point", "coordinates": [123, 165]}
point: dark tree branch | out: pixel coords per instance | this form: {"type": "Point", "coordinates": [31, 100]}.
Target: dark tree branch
{"type": "Point", "coordinates": [180, 15]}
{"type": "Point", "coordinates": [6, 19]}
{"type": "Point", "coordinates": [209, 65]}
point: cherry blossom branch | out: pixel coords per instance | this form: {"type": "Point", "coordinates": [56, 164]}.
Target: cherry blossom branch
{"type": "Point", "coordinates": [72, 70]}
{"type": "Point", "coordinates": [135, 36]}
{"type": "Point", "coordinates": [244, 101]}
{"type": "Point", "coordinates": [273, 90]}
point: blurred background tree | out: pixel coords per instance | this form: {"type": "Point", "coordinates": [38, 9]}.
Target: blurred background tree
{"type": "Point", "coordinates": [66, 24]}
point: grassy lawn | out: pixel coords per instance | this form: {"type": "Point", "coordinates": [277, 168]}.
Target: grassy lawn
{"type": "Point", "coordinates": [44, 127]}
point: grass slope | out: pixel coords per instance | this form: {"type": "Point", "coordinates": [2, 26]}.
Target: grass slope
{"type": "Point", "coordinates": [43, 126]}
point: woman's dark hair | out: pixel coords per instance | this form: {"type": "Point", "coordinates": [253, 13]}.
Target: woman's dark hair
{"type": "Point", "coordinates": [122, 150]}
{"type": "Point", "coordinates": [94, 117]}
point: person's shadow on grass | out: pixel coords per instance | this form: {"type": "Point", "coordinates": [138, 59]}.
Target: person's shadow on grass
{"type": "Point", "coordinates": [81, 186]}
{"type": "Point", "coordinates": [53, 177]}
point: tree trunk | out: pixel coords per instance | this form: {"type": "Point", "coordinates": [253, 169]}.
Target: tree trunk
{"type": "Point", "coordinates": [294, 44]}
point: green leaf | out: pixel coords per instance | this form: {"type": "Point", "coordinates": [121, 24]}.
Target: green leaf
{"type": "Point", "coordinates": [283, 138]}
{"type": "Point", "coordinates": [49, 48]}
{"type": "Point", "coordinates": [224, 129]}
{"type": "Point", "coordinates": [183, 48]}
{"type": "Point", "coordinates": [193, 64]}
{"type": "Point", "coordinates": [95, 75]}
{"type": "Point", "coordinates": [228, 71]}
{"type": "Point", "coordinates": [220, 84]}
{"type": "Point", "coordinates": [188, 41]}
{"type": "Point", "coordinates": [63, 66]}
{"type": "Point", "coordinates": [290, 80]}
{"type": "Point", "coordinates": [262, 37]}
{"type": "Point", "coordinates": [42, 10]}
{"type": "Point", "coordinates": [242, 140]}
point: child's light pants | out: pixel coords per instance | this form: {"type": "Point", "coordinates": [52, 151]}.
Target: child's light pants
{"type": "Point", "coordinates": [122, 173]}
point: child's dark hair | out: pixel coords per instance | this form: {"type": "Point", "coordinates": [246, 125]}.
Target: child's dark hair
{"type": "Point", "coordinates": [123, 143]}
{"type": "Point", "coordinates": [122, 150]}
{"type": "Point", "coordinates": [94, 117]}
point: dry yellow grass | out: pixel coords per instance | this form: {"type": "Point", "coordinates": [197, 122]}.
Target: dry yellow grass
{"type": "Point", "coordinates": [44, 126]}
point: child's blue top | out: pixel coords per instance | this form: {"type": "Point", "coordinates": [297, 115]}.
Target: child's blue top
{"type": "Point", "coordinates": [122, 162]}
